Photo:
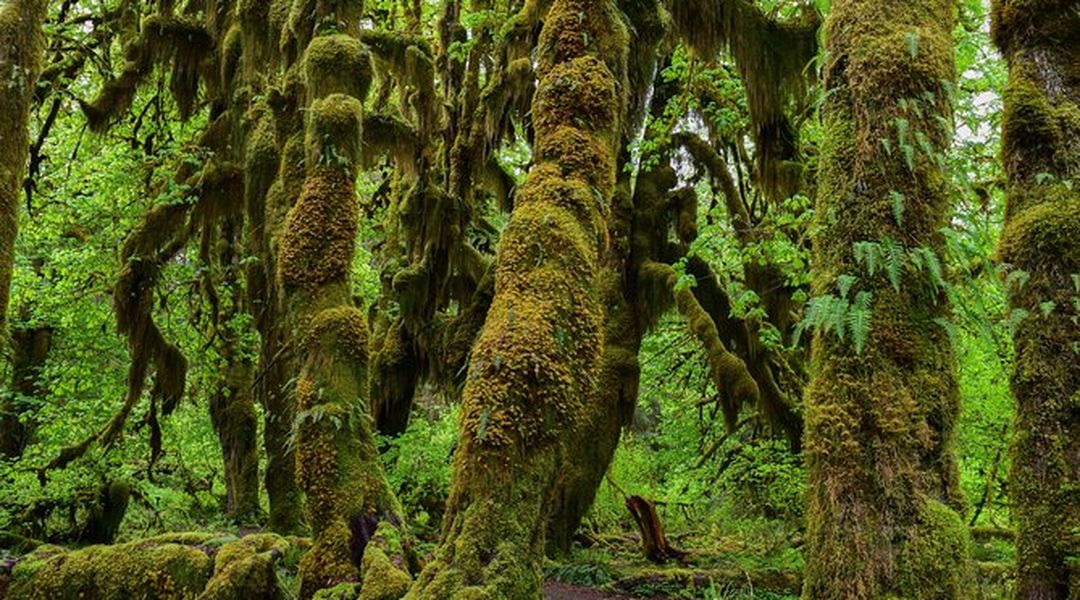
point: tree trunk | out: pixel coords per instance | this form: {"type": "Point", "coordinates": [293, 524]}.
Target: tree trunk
{"type": "Point", "coordinates": [349, 502]}
{"type": "Point", "coordinates": [30, 348]}
{"type": "Point", "coordinates": [270, 186]}
{"type": "Point", "coordinates": [535, 365]}
{"type": "Point", "coordinates": [882, 404]}
{"type": "Point", "coordinates": [1041, 246]}
{"type": "Point", "coordinates": [232, 408]}
{"type": "Point", "coordinates": [22, 44]}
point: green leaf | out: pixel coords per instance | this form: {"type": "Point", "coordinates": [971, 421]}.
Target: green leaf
{"type": "Point", "coordinates": [858, 320]}
{"type": "Point", "coordinates": [897, 205]}
{"type": "Point", "coordinates": [844, 282]}
{"type": "Point", "coordinates": [894, 261]}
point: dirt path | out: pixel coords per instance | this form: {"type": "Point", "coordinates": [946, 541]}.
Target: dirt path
{"type": "Point", "coordinates": [562, 591]}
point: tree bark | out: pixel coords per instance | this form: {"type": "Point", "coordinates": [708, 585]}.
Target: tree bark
{"type": "Point", "coordinates": [1040, 245]}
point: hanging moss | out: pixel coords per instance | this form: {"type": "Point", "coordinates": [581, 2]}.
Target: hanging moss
{"type": "Point", "coordinates": [773, 59]}
{"type": "Point", "coordinates": [1040, 129]}
{"type": "Point", "coordinates": [883, 486]}
{"type": "Point", "coordinates": [182, 42]}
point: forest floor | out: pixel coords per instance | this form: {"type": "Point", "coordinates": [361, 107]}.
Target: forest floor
{"type": "Point", "coordinates": [565, 591]}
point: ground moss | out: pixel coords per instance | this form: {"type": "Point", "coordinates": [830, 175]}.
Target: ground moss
{"type": "Point", "coordinates": [149, 569]}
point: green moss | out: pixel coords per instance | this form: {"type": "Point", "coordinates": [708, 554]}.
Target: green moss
{"type": "Point", "coordinates": [932, 561]}
{"type": "Point", "coordinates": [337, 64]}
{"type": "Point", "coordinates": [20, 27]}
{"type": "Point", "coordinates": [320, 234]}
{"type": "Point", "coordinates": [149, 569]}
{"type": "Point", "coordinates": [534, 365]}
{"type": "Point", "coordinates": [1040, 126]}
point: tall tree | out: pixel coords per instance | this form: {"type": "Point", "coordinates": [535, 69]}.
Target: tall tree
{"type": "Point", "coordinates": [881, 406]}
{"type": "Point", "coordinates": [348, 498]}
{"type": "Point", "coordinates": [1041, 246]}
{"type": "Point", "coordinates": [22, 43]}
{"type": "Point", "coordinates": [536, 360]}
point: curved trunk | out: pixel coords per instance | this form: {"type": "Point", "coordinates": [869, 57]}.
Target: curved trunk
{"type": "Point", "coordinates": [535, 363]}
{"type": "Point", "coordinates": [1041, 241]}
{"type": "Point", "coordinates": [881, 407]}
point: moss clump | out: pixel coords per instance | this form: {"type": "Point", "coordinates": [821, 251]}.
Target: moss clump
{"type": "Point", "coordinates": [320, 235]}
{"type": "Point", "coordinates": [159, 568]}
{"type": "Point", "coordinates": [335, 132]}
{"type": "Point", "coordinates": [337, 64]}
{"type": "Point", "coordinates": [932, 563]}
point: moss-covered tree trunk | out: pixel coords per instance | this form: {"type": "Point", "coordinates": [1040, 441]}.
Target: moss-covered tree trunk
{"type": "Point", "coordinates": [21, 46]}
{"type": "Point", "coordinates": [270, 188]}
{"type": "Point", "coordinates": [1041, 246]}
{"type": "Point", "coordinates": [348, 498]}
{"type": "Point", "coordinates": [535, 364]}
{"type": "Point", "coordinates": [882, 404]}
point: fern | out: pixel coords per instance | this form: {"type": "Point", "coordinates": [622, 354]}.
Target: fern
{"type": "Point", "coordinates": [844, 282]}
{"type": "Point", "coordinates": [858, 320]}
{"type": "Point", "coordinates": [868, 253]}
{"type": "Point", "coordinates": [894, 261]}
{"type": "Point", "coordinates": [897, 205]}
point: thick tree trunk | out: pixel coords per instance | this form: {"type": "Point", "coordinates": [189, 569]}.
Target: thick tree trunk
{"type": "Point", "coordinates": [884, 497]}
{"type": "Point", "coordinates": [1041, 242]}
{"type": "Point", "coordinates": [21, 46]}
{"type": "Point", "coordinates": [535, 365]}
{"type": "Point", "coordinates": [351, 509]}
